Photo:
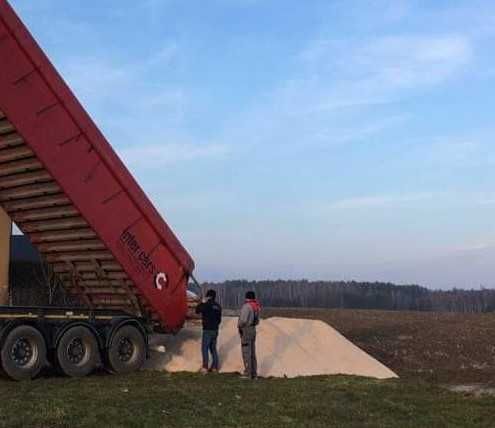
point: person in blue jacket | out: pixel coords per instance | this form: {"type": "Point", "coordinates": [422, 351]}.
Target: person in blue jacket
{"type": "Point", "coordinates": [211, 314]}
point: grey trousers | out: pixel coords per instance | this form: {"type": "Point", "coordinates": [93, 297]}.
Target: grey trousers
{"type": "Point", "coordinates": [248, 344]}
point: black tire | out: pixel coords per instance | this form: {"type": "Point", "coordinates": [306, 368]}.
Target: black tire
{"type": "Point", "coordinates": [77, 352]}
{"type": "Point", "coordinates": [127, 351]}
{"type": "Point", "coordinates": [23, 353]}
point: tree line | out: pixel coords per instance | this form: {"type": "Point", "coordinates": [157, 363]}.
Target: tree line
{"type": "Point", "coordinates": [353, 295]}
{"type": "Point", "coordinates": [36, 284]}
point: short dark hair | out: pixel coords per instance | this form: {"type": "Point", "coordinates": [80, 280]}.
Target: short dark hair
{"type": "Point", "coordinates": [211, 294]}
{"type": "Point", "coordinates": [250, 295]}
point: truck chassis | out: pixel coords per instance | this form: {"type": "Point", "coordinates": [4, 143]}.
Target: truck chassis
{"type": "Point", "coordinates": [74, 341]}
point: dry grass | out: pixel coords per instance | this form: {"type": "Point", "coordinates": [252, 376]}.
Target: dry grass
{"type": "Point", "coordinates": [153, 399]}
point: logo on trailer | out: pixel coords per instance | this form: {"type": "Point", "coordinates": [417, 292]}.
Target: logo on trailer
{"type": "Point", "coordinates": [144, 260]}
{"type": "Point", "coordinates": [161, 281]}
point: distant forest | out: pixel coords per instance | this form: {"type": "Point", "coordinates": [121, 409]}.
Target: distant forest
{"type": "Point", "coordinates": [354, 295]}
{"type": "Point", "coordinates": [33, 283]}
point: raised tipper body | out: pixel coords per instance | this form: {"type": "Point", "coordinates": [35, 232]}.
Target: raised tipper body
{"type": "Point", "coordinates": [64, 187]}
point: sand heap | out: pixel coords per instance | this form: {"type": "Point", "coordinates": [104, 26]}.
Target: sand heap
{"type": "Point", "coordinates": [285, 347]}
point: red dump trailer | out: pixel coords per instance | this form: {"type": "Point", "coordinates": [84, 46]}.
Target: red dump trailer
{"type": "Point", "coordinates": [65, 188]}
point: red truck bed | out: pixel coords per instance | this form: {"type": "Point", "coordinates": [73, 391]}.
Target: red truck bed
{"type": "Point", "coordinates": [64, 186]}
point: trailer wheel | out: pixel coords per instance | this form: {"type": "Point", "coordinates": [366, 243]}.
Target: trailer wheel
{"type": "Point", "coordinates": [127, 351]}
{"type": "Point", "coordinates": [77, 352]}
{"type": "Point", "coordinates": [23, 353]}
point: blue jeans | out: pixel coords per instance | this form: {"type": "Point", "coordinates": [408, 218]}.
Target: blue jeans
{"type": "Point", "coordinates": [209, 344]}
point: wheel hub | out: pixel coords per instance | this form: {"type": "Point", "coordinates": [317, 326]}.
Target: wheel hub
{"type": "Point", "coordinates": [76, 350]}
{"type": "Point", "coordinates": [126, 349]}
{"type": "Point", "coordinates": [21, 351]}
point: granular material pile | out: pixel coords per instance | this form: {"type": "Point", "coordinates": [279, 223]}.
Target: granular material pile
{"type": "Point", "coordinates": [286, 347]}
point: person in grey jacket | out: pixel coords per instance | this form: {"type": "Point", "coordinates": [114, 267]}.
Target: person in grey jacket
{"type": "Point", "coordinates": [248, 320]}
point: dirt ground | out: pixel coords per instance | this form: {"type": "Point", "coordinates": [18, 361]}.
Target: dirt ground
{"type": "Point", "coordinates": [445, 348]}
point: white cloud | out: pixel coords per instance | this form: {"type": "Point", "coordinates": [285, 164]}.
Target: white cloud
{"type": "Point", "coordinates": [397, 9]}
{"type": "Point", "coordinates": [163, 57]}
{"type": "Point", "coordinates": [333, 136]}
{"type": "Point", "coordinates": [447, 197]}
{"type": "Point", "coordinates": [461, 152]}
{"type": "Point", "coordinates": [137, 113]}
{"type": "Point", "coordinates": [338, 86]}
{"type": "Point", "coordinates": [239, 2]}
{"type": "Point", "coordinates": [98, 78]}
{"type": "Point", "coordinates": [472, 246]}
{"type": "Point", "coordinates": [405, 62]}
{"type": "Point", "coordinates": [380, 201]}
{"type": "Point", "coordinates": [373, 69]}
{"type": "Point", "coordinates": [95, 79]}
{"type": "Point", "coordinates": [453, 152]}
{"type": "Point", "coordinates": [155, 156]}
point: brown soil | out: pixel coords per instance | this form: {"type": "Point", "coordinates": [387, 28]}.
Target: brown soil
{"type": "Point", "coordinates": [436, 347]}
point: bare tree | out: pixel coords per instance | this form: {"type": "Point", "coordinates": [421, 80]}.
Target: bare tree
{"type": "Point", "coordinates": [47, 279]}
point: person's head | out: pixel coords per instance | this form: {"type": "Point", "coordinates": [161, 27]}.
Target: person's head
{"type": "Point", "coordinates": [211, 294]}
{"type": "Point", "coordinates": [250, 295]}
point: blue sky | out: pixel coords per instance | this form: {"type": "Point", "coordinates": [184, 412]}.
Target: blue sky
{"type": "Point", "coordinates": [290, 139]}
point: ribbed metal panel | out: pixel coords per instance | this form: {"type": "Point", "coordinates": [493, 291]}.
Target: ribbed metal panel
{"type": "Point", "coordinates": [36, 203]}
